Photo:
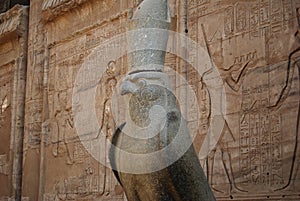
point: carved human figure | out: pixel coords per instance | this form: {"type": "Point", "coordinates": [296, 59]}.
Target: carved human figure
{"type": "Point", "coordinates": [282, 97]}
{"type": "Point", "coordinates": [64, 128]}
{"type": "Point", "coordinates": [223, 147]}
{"type": "Point", "coordinates": [234, 82]}
{"type": "Point", "coordinates": [107, 125]}
{"type": "Point", "coordinates": [226, 134]}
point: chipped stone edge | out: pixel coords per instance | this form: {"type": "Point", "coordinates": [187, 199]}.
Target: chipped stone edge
{"type": "Point", "coordinates": [52, 9]}
{"type": "Point", "coordinates": [14, 21]}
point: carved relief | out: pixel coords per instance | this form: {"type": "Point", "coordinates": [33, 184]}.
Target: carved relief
{"type": "Point", "coordinates": [13, 43]}
{"type": "Point", "coordinates": [62, 73]}
{"type": "Point", "coordinates": [258, 151]}
{"type": "Point", "coordinates": [248, 45]}
{"type": "Point", "coordinates": [35, 84]}
{"type": "Point", "coordinates": [106, 89]}
{"type": "Point", "coordinates": [89, 179]}
{"type": "Point", "coordinates": [276, 16]}
{"type": "Point", "coordinates": [52, 3]}
{"type": "Point", "coordinates": [64, 132]}
{"type": "Point", "coordinates": [264, 11]}
{"type": "Point", "coordinates": [5, 98]}
{"type": "Point", "coordinates": [86, 183]}
{"type": "Point", "coordinates": [54, 8]}
{"type": "Point", "coordinates": [241, 17]}
{"type": "Point", "coordinates": [229, 21]}
{"type": "Point", "coordinates": [219, 160]}
{"type": "Point", "coordinates": [33, 126]}
{"type": "Point", "coordinates": [79, 153]}
{"type": "Point", "coordinates": [107, 123]}
{"type": "Point", "coordinates": [13, 20]}
{"type": "Point", "coordinates": [3, 165]}
{"type": "Point", "coordinates": [5, 125]}
{"type": "Point", "coordinates": [261, 134]}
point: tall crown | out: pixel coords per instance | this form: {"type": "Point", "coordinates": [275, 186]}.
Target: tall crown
{"type": "Point", "coordinates": [147, 36]}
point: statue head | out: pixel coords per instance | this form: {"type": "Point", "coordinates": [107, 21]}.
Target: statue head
{"type": "Point", "coordinates": [147, 93]}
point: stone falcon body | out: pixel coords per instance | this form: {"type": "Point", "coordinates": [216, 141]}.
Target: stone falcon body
{"type": "Point", "coordinates": [153, 157]}
{"type": "Point", "coordinates": [182, 180]}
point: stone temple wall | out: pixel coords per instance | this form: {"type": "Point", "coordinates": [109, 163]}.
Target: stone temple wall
{"type": "Point", "coordinates": [252, 44]}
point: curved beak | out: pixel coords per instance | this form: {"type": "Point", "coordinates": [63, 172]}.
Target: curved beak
{"type": "Point", "coordinates": [127, 87]}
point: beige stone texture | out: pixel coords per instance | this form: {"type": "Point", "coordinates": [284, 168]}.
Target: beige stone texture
{"type": "Point", "coordinates": [253, 45]}
{"type": "Point", "coordinates": [13, 53]}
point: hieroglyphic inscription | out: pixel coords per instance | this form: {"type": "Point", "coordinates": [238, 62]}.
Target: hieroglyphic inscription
{"type": "Point", "coordinates": [263, 18]}
{"type": "Point", "coordinates": [245, 146]}
{"type": "Point", "coordinates": [197, 3]}
{"type": "Point", "coordinates": [229, 21]}
{"type": "Point", "coordinates": [276, 152]}
{"type": "Point", "coordinates": [242, 36]}
{"type": "Point", "coordinates": [84, 184]}
{"type": "Point", "coordinates": [260, 136]}
{"type": "Point", "coordinates": [264, 12]}
{"type": "Point", "coordinates": [33, 127]}
{"type": "Point", "coordinates": [276, 16]}
{"type": "Point", "coordinates": [79, 153]}
{"type": "Point", "coordinates": [202, 7]}
{"type": "Point", "coordinates": [88, 183]}
{"type": "Point", "coordinates": [254, 19]}
{"type": "Point", "coordinates": [67, 58]}
{"type": "Point", "coordinates": [287, 13]}
{"type": "Point", "coordinates": [99, 36]}
{"type": "Point", "coordinates": [241, 18]}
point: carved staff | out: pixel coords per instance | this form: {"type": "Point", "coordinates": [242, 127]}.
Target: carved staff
{"type": "Point", "coordinates": [154, 123]}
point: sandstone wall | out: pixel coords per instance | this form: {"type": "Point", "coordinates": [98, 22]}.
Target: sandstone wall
{"type": "Point", "coordinates": [13, 51]}
{"type": "Point", "coordinates": [251, 43]}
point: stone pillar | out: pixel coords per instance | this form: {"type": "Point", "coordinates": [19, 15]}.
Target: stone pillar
{"type": "Point", "coordinates": [13, 45]}
{"type": "Point", "coordinates": [33, 103]}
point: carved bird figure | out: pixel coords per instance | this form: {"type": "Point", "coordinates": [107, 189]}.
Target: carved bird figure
{"type": "Point", "coordinates": [174, 173]}
{"type": "Point", "coordinates": [152, 155]}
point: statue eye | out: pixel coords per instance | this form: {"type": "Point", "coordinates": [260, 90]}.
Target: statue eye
{"type": "Point", "coordinates": [142, 83]}
{"type": "Point", "coordinates": [150, 93]}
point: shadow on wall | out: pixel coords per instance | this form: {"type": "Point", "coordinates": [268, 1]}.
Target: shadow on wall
{"type": "Point", "coordinates": [5, 5]}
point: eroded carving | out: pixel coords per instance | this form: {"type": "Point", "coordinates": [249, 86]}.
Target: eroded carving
{"type": "Point", "coordinates": [3, 165]}
{"type": "Point", "coordinates": [107, 125]}
{"type": "Point", "coordinates": [262, 144]}
{"type": "Point", "coordinates": [87, 183]}
{"type": "Point", "coordinates": [261, 134]}
{"type": "Point", "coordinates": [65, 128]}
{"type": "Point", "coordinates": [5, 101]}
{"type": "Point", "coordinates": [53, 8]}
{"type": "Point", "coordinates": [13, 20]}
